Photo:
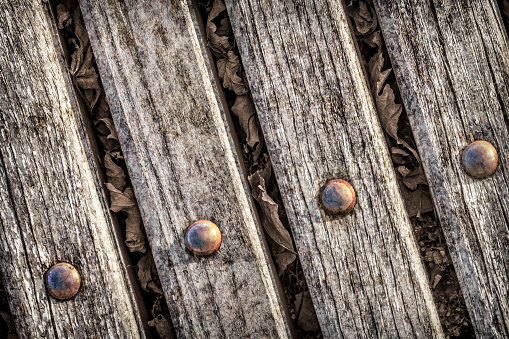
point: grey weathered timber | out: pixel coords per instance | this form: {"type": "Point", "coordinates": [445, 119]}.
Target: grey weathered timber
{"type": "Point", "coordinates": [52, 206]}
{"type": "Point", "coordinates": [183, 167]}
{"type": "Point", "coordinates": [451, 61]}
{"type": "Point", "coordinates": [363, 270]}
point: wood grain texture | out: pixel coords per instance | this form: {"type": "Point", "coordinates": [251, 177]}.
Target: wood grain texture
{"type": "Point", "coordinates": [52, 206]}
{"type": "Point", "coordinates": [363, 270]}
{"type": "Point", "coordinates": [183, 167]}
{"type": "Point", "coordinates": [451, 61]}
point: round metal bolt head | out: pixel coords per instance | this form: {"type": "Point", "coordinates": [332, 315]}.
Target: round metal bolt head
{"type": "Point", "coordinates": [63, 281]}
{"type": "Point", "coordinates": [203, 238]}
{"type": "Point", "coordinates": [480, 159]}
{"type": "Point", "coordinates": [338, 197]}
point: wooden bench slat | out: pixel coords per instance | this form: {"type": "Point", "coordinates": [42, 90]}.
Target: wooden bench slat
{"type": "Point", "coordinates": [52, 205]}
{"type": "Point", "coordinates": [183, 166]}
{"type": "Point", "coordinates": [363, 270]}
{"type": "Point", "coordinates": [451, 60]}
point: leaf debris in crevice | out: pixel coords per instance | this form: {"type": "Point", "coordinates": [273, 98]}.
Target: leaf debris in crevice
{"type": "Point", "coordinates": [7, 326]}
{"type": "Point", "coordinates": [409, 171]}
{"type": "Point", "coordinates": [263, 185]}
{"type": "Point", "coordinates": [83, 71]}
{"type": "Point", "coordinates": [504, 9]}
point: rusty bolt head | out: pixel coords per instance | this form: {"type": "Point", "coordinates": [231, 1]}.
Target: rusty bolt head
{"type": "Point", "coordinates": [338, 197]}
{"type": "Point", "coordinates": [63, 281]}
{"type": "Point", "coordinates": [203, 238]}
{"type": "Point", "coordinates": [480, 159]}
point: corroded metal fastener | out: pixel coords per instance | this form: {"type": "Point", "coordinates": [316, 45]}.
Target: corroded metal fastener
{"type": "Point", "coordinates": [203, 238]}
{"type": "Point", "coordinates": [338, 197]}
{"type": "Point", "coordinates": [480, 159]}
{"type": "Point", "coordinates": [63, 281]}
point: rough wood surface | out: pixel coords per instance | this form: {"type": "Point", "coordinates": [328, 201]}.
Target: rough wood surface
{"type": "Point", "coordinates": [182, 164]}
{"type": "Point", "coordinates": [52, 206]}
{"type": "Point", "coordinates": [363, 270]}
{"type": "Point", "coordinates": [451, 61]}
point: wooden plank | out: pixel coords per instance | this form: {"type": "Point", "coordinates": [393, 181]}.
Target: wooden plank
{"type": "Point", "coordinates": [183, 167]}
{"type": "Point", "coordinates": [363, 270]}
{"type": "Point", "coordinates": [451, 60]}
{"type": "Point", "coordinates": [52, 206]}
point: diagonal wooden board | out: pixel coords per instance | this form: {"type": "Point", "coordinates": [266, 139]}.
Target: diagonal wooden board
{"type": "Point", "coordinates": [52, 205]}
{"type": "Point", "coordinates": [451, 60]}
{"type": "Point", "coordinates": [363, 270]}
{"type": "Point", "coordinates": [183, 167]}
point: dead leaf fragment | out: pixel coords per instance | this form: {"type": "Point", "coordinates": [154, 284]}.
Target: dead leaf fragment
{"type": "Point", "coordinates": [146, 269]}
{"type": "Point", "coordinates": [64, 18]}
{"type": "Point", "coordinates": [244, 110]}
{"type": "Point", "coordinates": [114, 174]}
{"type": "Point", "coordinates": [229, 72]}
{"type": "Point", "coordinates": [125, 202]}
{"type": "Point", "coordinates": [363, 16]}
{"type": "Point", "coordinates": [163, 326]}
{"type": "Point", "coordinates": [280, 239]}
{"type": "Point", "coordinates": [216, 37]}
{"type": "Point", "coordinates": [307, 319]}
{"type": "Point", "coordinates": [412, 179]}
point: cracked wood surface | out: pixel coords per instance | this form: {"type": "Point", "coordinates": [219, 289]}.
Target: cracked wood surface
{"type": "Point", "coordinates": [363, 270]}
{"type": "Point", "coordinates": [52, 205]}
{"type": "Point", "coordinates": [183, 167]}
{"type": "Point", "coordinates": [451, 61]}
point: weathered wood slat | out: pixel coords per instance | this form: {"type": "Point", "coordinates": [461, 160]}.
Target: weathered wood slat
{"type": "Point", "coordinates": [183, 167]}
{"type": "Point", "coordinates": [363, 269]}
{"type": "Point", "coordinates": [52, 206]}
{"type": "Point", "coordinates": [451, 60]}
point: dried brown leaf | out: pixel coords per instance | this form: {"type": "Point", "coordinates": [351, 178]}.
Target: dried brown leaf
{"type": "Point", "coordinates": [135, 239]}
{"type": "Point", "coordinates": [81, 45]}
{"type": "Point", "coordinates": [364, 17]}
{"type": "Point", "coordinates": [229, 72]}
{"type": "Point", "coordinates": [389, 111]}
{"type": "Point", "coordinates": [307, 319]}
{"type": "Point", "coordinates": [64, 18]}
{"type": "Point", "coordinates": [417, 201]}
{"type": "Point", "coordinates": [86, 78]}
{"type": "Point", "coordinates": [244, 110]}
{"type": "Point", "coordinates": [282, 244]}
{"type": "Point", "coordinates": [216, 37]}
{"type": "Point", "coordinates": [105, 127]}
{"type": "Point", "coordinates": [114, 174]}
{"type": "Point", "coordinates": [163, 326]}
{"type": "Point", "coordinates": [414, 178]}
{"type": "Point", "coordinates": [400, 156]}
{"type": "Point", "coordinates": [373, 40]}
{"type": "Point", "coordinates": [125, 202]}
{"type": "Point", "coordinates": [146, 270]}
{"type": "Point", "coordinates": [120, 201]}
{"type": "Point", "coordinates": [224, 28]}
{"type": "Point", "coordinates": [108, 136]}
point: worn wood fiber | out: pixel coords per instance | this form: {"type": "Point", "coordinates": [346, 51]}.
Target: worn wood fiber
{"type": "Point", "coordinates": [363, 269]}
{"type": "Point", "coordinates": [451, 60]}
{"type": "Point", "coordinates": [183, 167]}
{"type": "Point", "coordinates": [52, 206]}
